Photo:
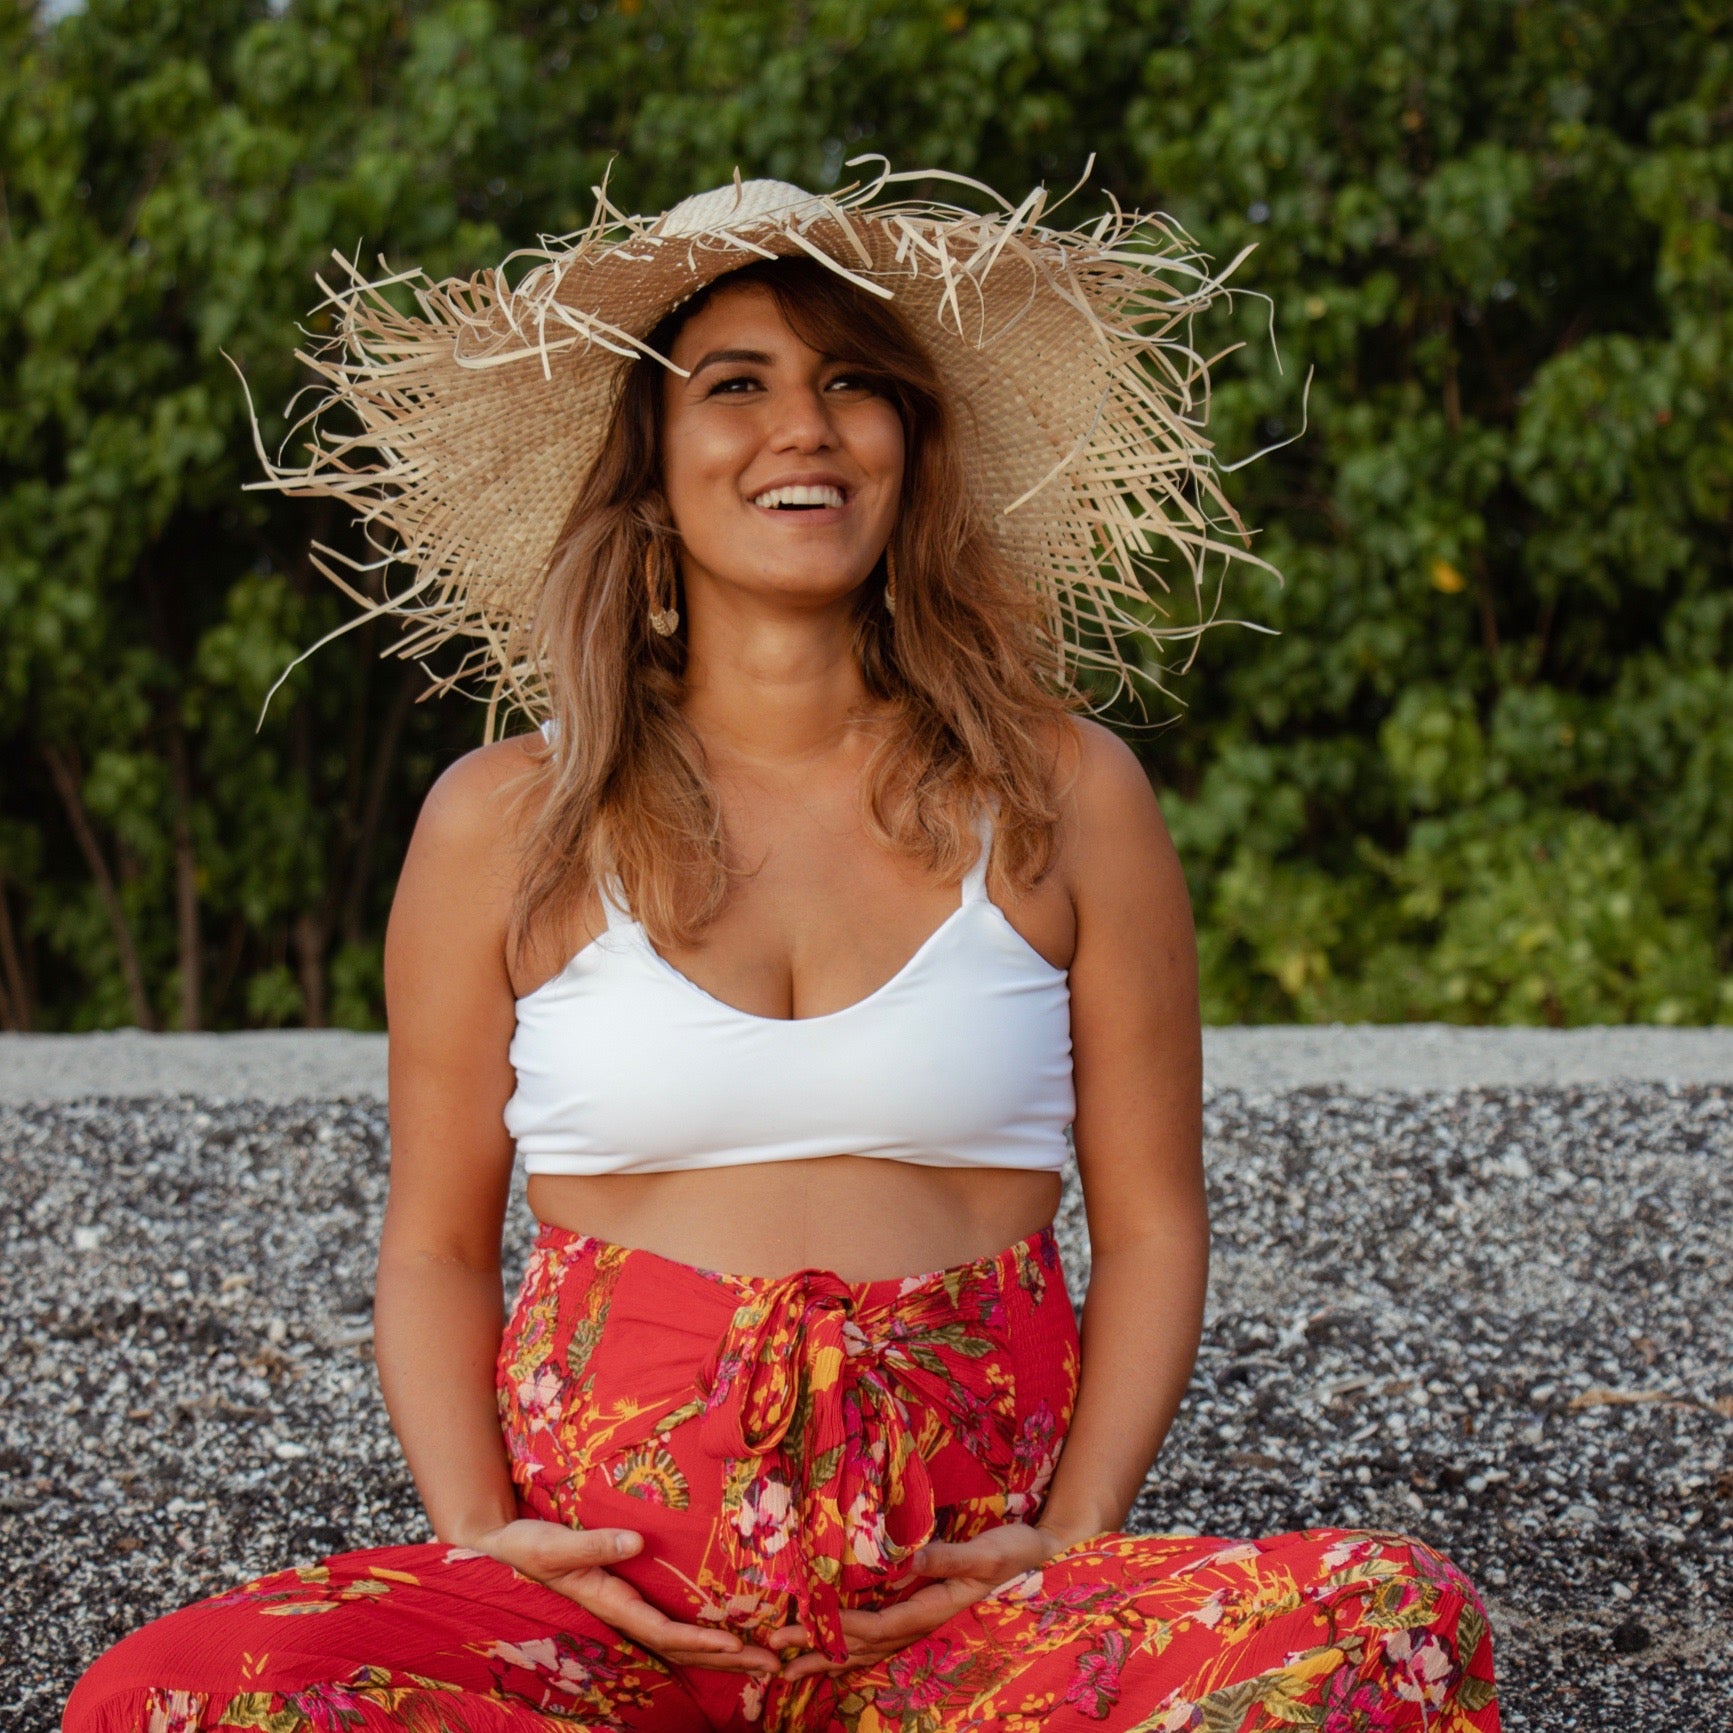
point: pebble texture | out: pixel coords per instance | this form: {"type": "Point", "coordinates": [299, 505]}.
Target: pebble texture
{"type": "Point", "coordinates": [1499, 1318]}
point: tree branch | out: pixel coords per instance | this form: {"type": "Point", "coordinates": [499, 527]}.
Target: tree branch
{"type": "Point", "coordinates": [66, 786]}
{"type": "Point", "coordinates": [188, 940]}
{"type": "Point", "coordinates": [16, 1011]}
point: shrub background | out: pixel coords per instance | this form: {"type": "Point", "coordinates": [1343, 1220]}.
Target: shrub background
{"type": "Point", "coordinates": [1482, 773]}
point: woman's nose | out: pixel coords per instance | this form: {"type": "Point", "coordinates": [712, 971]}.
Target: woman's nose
{"type": "Point", "coordinates": [802, 421]}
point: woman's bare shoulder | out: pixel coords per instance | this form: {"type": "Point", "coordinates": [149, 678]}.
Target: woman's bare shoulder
{"type": "Point", "coordinates": [481, 801]}
{"type": "Point", "coordinates": [1100, 784]}
{"type": "Point", "coordinates": [1116, 856]}
{"type": "Point", "coordinates": [463, 857]}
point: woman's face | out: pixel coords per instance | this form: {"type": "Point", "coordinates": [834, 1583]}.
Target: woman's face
{"type": "Point", "coordinates": [783, 468]}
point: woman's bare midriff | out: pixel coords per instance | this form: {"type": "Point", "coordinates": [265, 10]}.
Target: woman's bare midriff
{"type": "Point", "coordinates": [863, 1217]}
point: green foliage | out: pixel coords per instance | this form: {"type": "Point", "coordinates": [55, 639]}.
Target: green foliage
{"type": "Point", "coordinates": [1479, 775]}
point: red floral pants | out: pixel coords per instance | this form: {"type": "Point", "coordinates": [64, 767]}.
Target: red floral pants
{"type": "Point", "coordinates": [784, 1446]}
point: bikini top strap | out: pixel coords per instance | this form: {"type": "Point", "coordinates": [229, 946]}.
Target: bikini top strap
{"type": "Point", "coordinates": [609, 890]}
{"type": "Point", "coordinates": [975, 879]}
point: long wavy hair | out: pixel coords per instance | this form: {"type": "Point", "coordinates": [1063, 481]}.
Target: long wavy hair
{"type": "Point", "coordinates": [966, 712]}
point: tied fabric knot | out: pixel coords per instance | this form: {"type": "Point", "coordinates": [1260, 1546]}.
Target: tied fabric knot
{"type": "Point", "coordinates": [832, 1407]}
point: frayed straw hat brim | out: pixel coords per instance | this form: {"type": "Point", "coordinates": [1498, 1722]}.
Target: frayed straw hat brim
{"type": "Point", "coordinates": [1080, 401]}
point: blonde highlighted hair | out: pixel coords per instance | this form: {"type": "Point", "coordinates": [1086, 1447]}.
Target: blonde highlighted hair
{"type": "Point", "coordinates": [965, 676]}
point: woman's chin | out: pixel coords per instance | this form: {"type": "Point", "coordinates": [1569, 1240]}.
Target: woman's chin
{"type": "Point", "coordinates": [800, 590]}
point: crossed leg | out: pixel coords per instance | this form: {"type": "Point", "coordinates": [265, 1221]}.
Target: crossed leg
{"type": "Point", "coordinates": [1324, 1628]}
{"type": "Point", "coordinates": [427, 1637]}
{"type": "Point", "coordinates": [1327, 1628]}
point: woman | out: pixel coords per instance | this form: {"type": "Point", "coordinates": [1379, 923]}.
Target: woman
{"type": "Point", "coordinates": [792, 953]}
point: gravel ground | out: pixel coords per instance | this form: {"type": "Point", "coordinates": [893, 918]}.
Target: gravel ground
{"type": "Point", "coordinates": [1501, 1318]}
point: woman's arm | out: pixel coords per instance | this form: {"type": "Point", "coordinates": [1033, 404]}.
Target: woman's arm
{"type": "Point", "coordinates": [437, 1310]}
{"type": "Point", "coordinates": [1137, 1051]}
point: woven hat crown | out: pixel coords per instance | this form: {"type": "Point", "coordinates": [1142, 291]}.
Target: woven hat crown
{"type": "Point", "coordinates": [739, 205]}
{"type": "Point", "coordinates": [461, 433]}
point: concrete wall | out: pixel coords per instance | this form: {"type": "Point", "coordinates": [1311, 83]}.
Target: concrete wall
{"type": "Point", "coordinates": [302, 1065]}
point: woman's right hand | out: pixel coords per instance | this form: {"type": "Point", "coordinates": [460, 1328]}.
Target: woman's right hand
{"type": "Point", "coordinates": [574, 1562]}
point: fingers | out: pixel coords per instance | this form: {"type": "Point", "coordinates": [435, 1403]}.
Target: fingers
{"type": "Point", "coordinates": [695, 1645]}
{"type": "Point", "coordinates": [999, 1553]}
{"type": "Point", "coordinates": [661, 1632]}
{"type": "Point", "coordinates": [860, 1654]}
{"type": "Point", "coordinates": [799, 1659]}
{"type": "Point", "coordinates": [751, 1659]}
{"type": "Point", "coordinates": [923, 1611]}
{"type": "Point", "coordinates": [869, 1633]}
{"type": "Point", "coordinates": [549, 1549]}
{"type": "Point", "coordinates": [574, 1562]}
{"type": "Point", "coordinates": [946, 1558]}
{"type": "Point", "coordinates": [871, 1636]}
{"type": "Point", "coordinates": [806, 1666]}
{"type": "Point", "coordinates": [614, 1600]}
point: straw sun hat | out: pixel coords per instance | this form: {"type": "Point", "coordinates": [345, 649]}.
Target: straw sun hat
{"type": "Point", "coordinates": [1079, 399]}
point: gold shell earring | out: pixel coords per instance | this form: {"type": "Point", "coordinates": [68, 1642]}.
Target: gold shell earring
{"type": "Point", "coordinates": [890, 580]}
{"type": "Point", "coordinates": [664, 622]}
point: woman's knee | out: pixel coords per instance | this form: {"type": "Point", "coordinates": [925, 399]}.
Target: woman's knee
{"type": "Point", "coordinates": [145, 1681]}
{"type": "Point", "coordinates": [1414, 1612]}
{"type": "Point", "coordinates": [1411, 1566]}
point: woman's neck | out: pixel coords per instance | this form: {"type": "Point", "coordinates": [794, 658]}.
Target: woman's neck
{"type": "Point", "coordinates": [779, 694]}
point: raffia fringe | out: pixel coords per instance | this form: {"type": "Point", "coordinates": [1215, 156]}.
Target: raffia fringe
{"type": "Point", "coordinates": [470, 424]}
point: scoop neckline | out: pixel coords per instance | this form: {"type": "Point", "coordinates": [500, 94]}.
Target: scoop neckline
{"type": "Point", "coordinates": [878, 992]}
{"type": "Point", "coordinates": [661, 963]}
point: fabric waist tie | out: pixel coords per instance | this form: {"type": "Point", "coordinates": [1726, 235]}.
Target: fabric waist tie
{"type": "Point", "coordinates": [831, 1406]}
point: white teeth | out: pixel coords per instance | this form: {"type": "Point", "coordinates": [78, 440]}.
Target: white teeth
{"type": "Point", "coordinates": [823, 495]}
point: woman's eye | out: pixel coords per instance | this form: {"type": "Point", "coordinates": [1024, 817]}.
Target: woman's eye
{"type": "Point", "coordinates": [737, 386]}
{"type": "Point", "coordinates": [853, 382]}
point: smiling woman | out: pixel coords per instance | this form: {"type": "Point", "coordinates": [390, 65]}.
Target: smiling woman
{"type": "Point", "coordinates": [782, 374]}
{"type": "Point", "coordinates": [794, 952]}
{"type": "Point", "coordinates": [785, 378]}
{"type": "Point", "coordinates": [782, 445]}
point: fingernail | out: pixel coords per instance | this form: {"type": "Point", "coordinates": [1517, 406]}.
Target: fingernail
{"type": "Point", "coordinates": [625, 1545]}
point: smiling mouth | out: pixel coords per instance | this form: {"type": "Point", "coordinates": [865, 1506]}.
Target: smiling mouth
{"type": "Point", "coordinates": [803, 498]}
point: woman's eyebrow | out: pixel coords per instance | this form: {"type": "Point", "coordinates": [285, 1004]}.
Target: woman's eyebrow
{"type": "Point", "coordinates": [717, 356]}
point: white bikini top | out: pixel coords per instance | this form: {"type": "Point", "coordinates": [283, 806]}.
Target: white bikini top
{"type": "Point", "coordinates": [961, 1059]}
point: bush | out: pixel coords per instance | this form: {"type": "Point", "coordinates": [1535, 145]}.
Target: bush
{"type": "Point", "coordinates": [1480, 773]}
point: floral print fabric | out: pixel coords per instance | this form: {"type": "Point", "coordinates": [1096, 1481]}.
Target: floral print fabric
{"type": "Point", "coordinates": [833, 1428]}
{"type": "Point", "coordinates": [784, 1446]}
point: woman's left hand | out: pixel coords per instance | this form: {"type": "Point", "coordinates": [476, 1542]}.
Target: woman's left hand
{"type": "Point", "coordinates": [967, 1570]}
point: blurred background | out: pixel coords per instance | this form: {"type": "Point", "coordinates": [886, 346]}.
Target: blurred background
{"type": "Point", "coordinates": [1482, 774]}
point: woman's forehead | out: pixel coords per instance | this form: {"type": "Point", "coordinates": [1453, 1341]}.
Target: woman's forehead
{"type": "Point", "coordinates": [746, 317]}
